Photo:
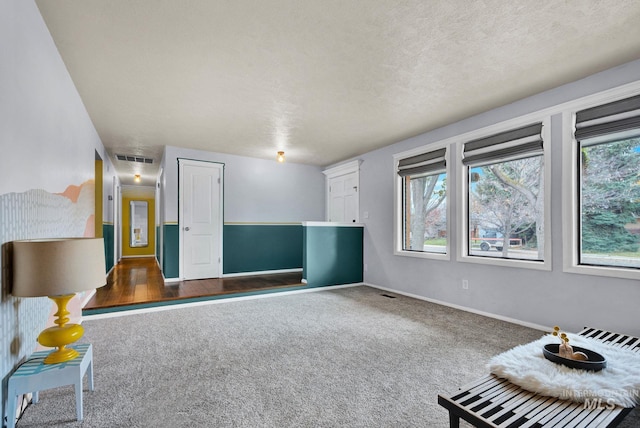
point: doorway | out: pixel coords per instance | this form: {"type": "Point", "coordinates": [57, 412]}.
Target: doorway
{"type": "Point", "coordinates": [138, 219]}
{"type": "Point", "coordinates": [200, 219]}
{"type": "Point", "coordinates": [343, 184]}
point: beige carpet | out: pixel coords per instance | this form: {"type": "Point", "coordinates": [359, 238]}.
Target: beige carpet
{"type": "Point", "coordinates": [335, 358]}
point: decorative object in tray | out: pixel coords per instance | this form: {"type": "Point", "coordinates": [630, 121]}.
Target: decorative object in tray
{"type": "Point", "coordinates": [572, 356]}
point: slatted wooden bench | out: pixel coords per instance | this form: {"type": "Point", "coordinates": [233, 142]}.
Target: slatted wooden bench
{"type": "Point", "coordinates": [493, 402]}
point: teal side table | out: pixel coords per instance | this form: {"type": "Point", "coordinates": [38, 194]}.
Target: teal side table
{"type": "Point", "coordinates": [34, 375]}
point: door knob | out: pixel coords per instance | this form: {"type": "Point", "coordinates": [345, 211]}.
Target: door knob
{"type": "Point", "coordinates": [186, 229]}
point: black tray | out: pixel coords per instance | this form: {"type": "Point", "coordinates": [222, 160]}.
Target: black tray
{"type": "Point", "coordinates": [596, 361]}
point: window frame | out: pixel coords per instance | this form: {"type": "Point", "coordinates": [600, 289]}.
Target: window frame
{"type": "Point", "coordinates": [571, 183]}
{"type": "Point", "coordinates": [462, 214]}
{"type": "Point", "coordinates": [399, 202]}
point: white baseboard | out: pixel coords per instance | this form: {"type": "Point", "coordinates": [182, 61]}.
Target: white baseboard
{"type": "Point", "coordinates": [261, 272]}
{"type": "Point", "coordinates": [143, 256]}
{"type": "Point", "coordinates": [87, 297]}
{"type": "Point", "coordinates": [235, 275]}
{"type": "Point", "coordinates": [466, 309]}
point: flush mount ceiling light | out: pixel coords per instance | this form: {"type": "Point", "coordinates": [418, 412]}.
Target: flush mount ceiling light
{"type": "Point", "coordinates": [136, 178]}
{"type": "Point", "coordinates": [280, 157]}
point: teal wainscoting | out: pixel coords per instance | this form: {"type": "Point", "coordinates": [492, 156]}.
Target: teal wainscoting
{"type": "Point", "coordinates": [108, 235]}
{"type": "Point", "coordinates": [158, 246]}
{"type": "Point", "coordinates": [261, 247]}
{"type": "Point", "coordinates": [332, 255]}
{"type": "Point", "coordinates": [171, 251]}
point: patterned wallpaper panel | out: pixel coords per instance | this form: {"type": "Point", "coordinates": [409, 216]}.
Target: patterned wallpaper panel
{"type": "Point", "coordinates": [28, 215]}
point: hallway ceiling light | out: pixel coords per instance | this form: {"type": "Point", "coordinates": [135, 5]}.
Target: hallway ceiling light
{"type": "Point", "coordinates": [280, 157]}
{"type": "Point", "coordinates": [136, 178]}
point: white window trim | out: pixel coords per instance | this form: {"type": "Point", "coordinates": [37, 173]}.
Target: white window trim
{"type": "Point", "coordinates": [571, 204]}
{"type": "Point", "coordinates": [463, 189]}
{"type": "Point", "coordinates": [399, 203]}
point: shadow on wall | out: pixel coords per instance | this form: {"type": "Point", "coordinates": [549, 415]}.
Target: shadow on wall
{"type": "Point", "coordinates": [5, 281]}
{"type": "Point", "coordinates": [5, 285]}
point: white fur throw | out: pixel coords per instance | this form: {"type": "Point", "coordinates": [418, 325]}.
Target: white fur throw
{"type": "Point", "coordinates": [526, 366]}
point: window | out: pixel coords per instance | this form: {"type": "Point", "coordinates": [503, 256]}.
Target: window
{"type": "Point", "coordinates": [505, 207]}
{"type": "Point", "coordinates": [608, 138]}
{"type": "Point", "coordinates": [422, 182]}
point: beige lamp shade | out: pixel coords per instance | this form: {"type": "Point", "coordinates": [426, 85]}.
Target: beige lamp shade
{"type": "Point", "coordinates": [53, 267]}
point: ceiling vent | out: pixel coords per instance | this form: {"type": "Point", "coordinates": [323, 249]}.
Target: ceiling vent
{"type": "Point", "coordinates": [132, 158]}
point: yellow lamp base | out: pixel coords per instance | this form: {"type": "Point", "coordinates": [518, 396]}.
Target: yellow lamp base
{"type": "Point", "coordinates": [61, 355]}
{"type": "Point", "coordinates": [61, 335]}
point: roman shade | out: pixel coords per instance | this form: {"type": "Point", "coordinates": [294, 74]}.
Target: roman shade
{"type": "Point", "coordinates": [509, 145]}
{"type": "Point", "coordinates": [618, 117]}
{"type": "Point", "coordinates": [433, 162]}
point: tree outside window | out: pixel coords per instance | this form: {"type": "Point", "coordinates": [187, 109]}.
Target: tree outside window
{"type": "Point", "coordinates": [506, 209]}
{"type": "Point", "coordinates": [610, 203]}
{"type": "Point", "coordinates": [424, 212]}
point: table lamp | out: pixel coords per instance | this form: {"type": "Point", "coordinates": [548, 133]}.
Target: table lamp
{"type": "Point", "coordinates": [58, 268]}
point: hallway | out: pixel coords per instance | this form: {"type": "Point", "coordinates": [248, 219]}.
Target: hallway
{"type": "Point", "coordinates": [138, 281]}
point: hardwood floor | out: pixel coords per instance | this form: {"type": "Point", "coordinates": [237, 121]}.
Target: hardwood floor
{"type": "Point", "coordinates": [136, 281]}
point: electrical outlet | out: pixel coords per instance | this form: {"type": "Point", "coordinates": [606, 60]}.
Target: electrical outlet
{"type": "Point", "coordinates": [465, 284]}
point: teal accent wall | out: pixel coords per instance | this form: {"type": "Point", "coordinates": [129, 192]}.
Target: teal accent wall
{"type": "Point", "coordinates": [171, 251]}
{"type": "Point", "coordinates": [158, 246]}
{"type": "Point", "coordinates": [108, 234]}
{"type": "Point", "coordinates": [261, 247]}
{"type": "Point", "coordinates": [332, 255]}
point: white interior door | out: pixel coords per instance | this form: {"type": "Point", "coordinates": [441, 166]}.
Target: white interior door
{"type": "Point", "coordinates": [343, 198]}
{"type": "Point", "coordinates": [336, 199]}
{"type": "Point", "coordinates": [200, 219]}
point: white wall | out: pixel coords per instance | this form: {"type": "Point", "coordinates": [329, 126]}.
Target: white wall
{"type": "Point", "coordinates": [255, 190]}
{"type": "Point", "coordinates": [530, 296]}
{"type": "Point", "coordinates": [108, 175]}
{"type": "Point", "coordinates": [47, 144]}
{"type": "Point", "coordinates": [36, 112]}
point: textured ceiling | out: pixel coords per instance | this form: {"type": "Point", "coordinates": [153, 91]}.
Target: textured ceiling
{"type": "Point", "coordinates": [323, 80]}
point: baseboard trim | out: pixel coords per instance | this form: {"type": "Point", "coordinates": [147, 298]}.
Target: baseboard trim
{"type": "Point", "coordinates": [464, 308]}
{"type": "Point", "coordinates": [88, 297]}
{"type": "Point", "coordinates": [261, 272]}
{"type": "Point", "coordinates": [240, 274]}
{"type": "Point", "coordinates": [142, 256]}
